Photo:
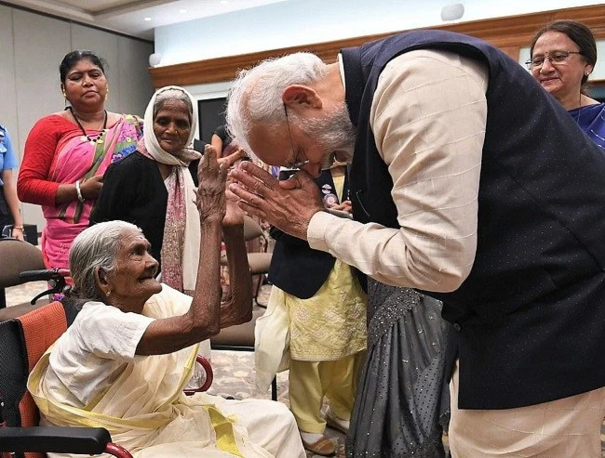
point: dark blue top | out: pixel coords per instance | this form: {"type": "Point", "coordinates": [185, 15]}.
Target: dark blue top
{"type": "Point", "coordinates": [591, 120]}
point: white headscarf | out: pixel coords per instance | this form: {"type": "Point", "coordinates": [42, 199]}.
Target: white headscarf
{"type": "Point", "coordinates": [151, 142]}
{"type": "Point", "coordinates": [180, 247]}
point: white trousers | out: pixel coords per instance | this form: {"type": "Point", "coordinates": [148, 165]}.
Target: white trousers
{"type": "Point", "coordinates": [564, 428]}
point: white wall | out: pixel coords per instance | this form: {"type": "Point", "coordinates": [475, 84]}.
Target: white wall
{"type": "Point", "coordinates": [298, 22]}
{"type": "Point", "coordinates": [32, 49]}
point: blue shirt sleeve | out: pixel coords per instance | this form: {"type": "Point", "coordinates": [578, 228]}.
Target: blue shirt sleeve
{"type": "Point", "coordinates": [10, 159]}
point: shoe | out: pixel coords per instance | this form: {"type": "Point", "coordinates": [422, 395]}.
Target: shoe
{"type": "Point", "coordinates": [338, 423]}
{"type": "Point", "coordinates": [322, 446]}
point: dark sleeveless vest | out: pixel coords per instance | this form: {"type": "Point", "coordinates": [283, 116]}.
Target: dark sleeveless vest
{"type": "Point", "coordinates": [531, 314]}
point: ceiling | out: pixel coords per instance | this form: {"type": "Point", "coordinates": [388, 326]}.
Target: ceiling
{"type": "Point", "coordinates": [136, 17]}
{"type": "Point", "coordinates": [139, 17]}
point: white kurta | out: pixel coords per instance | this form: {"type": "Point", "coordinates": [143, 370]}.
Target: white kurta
{"type": "Point", "coordinates": [432, 144]}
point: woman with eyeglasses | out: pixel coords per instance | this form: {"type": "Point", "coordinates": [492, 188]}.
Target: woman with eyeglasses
{"type": "Point", "coordinates": [563, 55]}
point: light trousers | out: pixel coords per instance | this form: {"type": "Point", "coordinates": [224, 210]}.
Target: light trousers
{"type": "Point", "coordinates": [564, 428]}
{"type": "Point", "coordinates": [311, 381]}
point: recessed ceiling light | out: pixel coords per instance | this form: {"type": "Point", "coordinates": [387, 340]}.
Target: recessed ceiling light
{"type": "Point", "coordinates": [182, 11]}
{"type": "Point", "coordinates": [148, 19]}
{"type": "Point", "coordinates": [224, 2]}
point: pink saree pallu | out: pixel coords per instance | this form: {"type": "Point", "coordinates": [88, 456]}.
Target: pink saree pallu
{"type": "Point", "coordinates": [79, 158]}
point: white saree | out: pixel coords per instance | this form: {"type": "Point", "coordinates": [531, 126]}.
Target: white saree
{"type": "Point", "coordinates": [140, 400]}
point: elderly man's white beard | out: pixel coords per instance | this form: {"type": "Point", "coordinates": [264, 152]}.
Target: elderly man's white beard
{"type": "Point", "coordinates": [335, 133]}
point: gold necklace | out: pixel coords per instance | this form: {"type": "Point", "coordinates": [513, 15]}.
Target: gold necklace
{"type": "Point", "coordinates": [91, 139]}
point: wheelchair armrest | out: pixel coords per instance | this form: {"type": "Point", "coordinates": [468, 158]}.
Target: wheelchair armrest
{"type": "Point", "coordinates": [209, 377]}
{"type": "Point", "coordinates": [61, 440]}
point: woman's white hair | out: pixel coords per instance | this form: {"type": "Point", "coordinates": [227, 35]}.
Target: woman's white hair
{"type": "Point", "coordinates": [95, 247]}
{"type": "Point", "coordinates": [256, 94]}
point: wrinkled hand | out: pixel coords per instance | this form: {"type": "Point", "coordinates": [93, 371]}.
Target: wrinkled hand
{"type": "Point", "coordinates": [288, 205]}
{"type": "Point", "coordinates": [344, 206]}
{"type": "Point", "coordinates": [233, 157]}
{"type": "Point", "coordinates": [91, 187]}
{"type": "Point", "coordinates": [234, 215]}
{"type": "Point", "coordinates": [212, 178]}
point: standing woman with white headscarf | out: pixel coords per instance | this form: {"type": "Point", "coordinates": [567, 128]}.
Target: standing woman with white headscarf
{"type": "Point", "coordinates": [154, 189]}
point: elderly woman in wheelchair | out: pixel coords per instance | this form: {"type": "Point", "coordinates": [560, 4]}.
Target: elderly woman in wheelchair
{"type": "Point", "coordinates": [124, 361]}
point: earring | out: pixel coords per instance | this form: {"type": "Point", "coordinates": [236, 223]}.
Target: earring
{"type": "Point", "coordinates": [107, 92]}
{"type": "Point", "coordinates": [108, 293]}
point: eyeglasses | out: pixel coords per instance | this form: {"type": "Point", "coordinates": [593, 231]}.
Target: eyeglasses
{"type": "Point", "coordinates": [296, 163]}
{"type": "Point", "coordinates": [554, 57]}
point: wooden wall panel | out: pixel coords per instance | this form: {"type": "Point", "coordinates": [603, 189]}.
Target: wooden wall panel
{"type": "Point", "coordinates": [512, 51]}
{"type": "Point", "coordinates": [508, 33]}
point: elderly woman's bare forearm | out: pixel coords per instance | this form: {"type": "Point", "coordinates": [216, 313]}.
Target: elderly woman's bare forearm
{"type": "Point", "coordinates": [202, 321]}
{"type": "Point", "coordinates": [238, 309]}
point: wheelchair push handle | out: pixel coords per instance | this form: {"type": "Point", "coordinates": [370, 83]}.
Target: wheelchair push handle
{"type": "Point", "coordinates": [55, 278]}
{"type": "Point", "coordinates": [44, 275]}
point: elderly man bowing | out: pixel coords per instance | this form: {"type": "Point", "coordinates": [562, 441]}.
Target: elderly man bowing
{"type": "Point", "coordinates": [470, 183]}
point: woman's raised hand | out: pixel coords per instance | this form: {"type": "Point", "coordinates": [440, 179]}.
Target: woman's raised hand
{"type": "Point", "coordinates": [212, 178]}
{"type": "Point", "coordinates": [233, 157]}
{"type": "Point", "coordinates": [234, 215]}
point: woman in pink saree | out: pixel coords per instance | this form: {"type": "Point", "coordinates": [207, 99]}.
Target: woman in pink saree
{"type": "Point", "coordinates": [67, 153]}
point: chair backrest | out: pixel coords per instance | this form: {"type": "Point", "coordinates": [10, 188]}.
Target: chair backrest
{"type": "Point", "coordinates": [252, 229]}
{"type": "Point", "coordinates": [17, 256]}
{"type": "Point", "coordinates": [23, 341]}
{"type": "Point", "coordinates": [258, 260]}
{"type": "Point", "coordinates": [238, 337]}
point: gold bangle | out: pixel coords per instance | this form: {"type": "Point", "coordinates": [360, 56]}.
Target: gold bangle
{"type": "Point", "coordinates": [18, 227]}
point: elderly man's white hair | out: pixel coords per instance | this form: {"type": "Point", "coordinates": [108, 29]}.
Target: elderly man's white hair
{"type": "Point", "coordinates": [256, 94]}
{"type": "Point", "coordinates": [95, 247]}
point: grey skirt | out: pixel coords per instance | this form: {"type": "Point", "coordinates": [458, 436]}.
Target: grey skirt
{"type": "Point", "coordinates": [402, 405]}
